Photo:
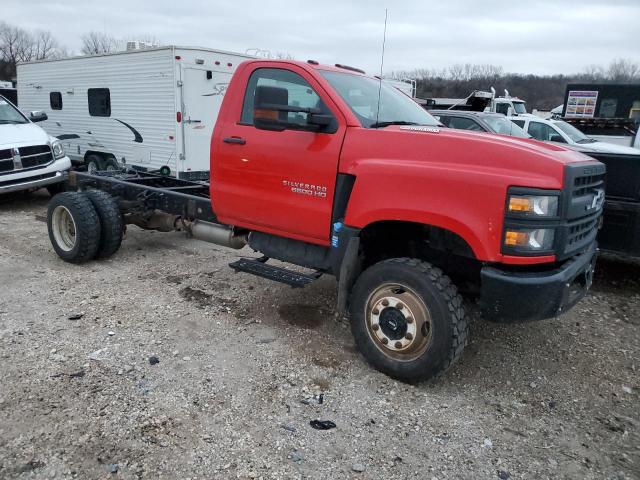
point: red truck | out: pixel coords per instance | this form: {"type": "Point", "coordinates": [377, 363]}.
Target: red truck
{"type": "Point", "coordinates": [329, 169]}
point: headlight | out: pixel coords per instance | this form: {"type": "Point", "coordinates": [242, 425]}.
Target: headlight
{"type": "Point", "coordinates": [533, 205]}
{"type": "Point", "coordinates": [58, 149]}
{"type": "Point", "coordinates": [531, 240]}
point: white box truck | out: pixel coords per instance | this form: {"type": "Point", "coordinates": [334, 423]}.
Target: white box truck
{"type": "Point", "coordinates": [150, 109]}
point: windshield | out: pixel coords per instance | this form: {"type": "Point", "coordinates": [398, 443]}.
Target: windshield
{"type": "Point", "coordinates": [361, 94]}
{"type": "Point", "coordinates": [574, 134]}
{"type": "Point", "coordinates": [10, 114]}
{"type": "Point", "coordinates": [519, 107]}
{"type": "Point", "coordinates": [502, 125]}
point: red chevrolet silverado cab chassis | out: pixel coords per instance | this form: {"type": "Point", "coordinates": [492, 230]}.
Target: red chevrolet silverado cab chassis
{"type": "Point", "coordinates": [327, 168]}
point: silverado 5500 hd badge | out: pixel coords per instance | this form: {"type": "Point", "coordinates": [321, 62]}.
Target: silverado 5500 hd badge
{"type": "Point", "coordinates": [306, 188]}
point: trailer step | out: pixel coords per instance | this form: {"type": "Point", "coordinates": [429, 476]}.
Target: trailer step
{"type": "Point", "coordinates": [261, 269]}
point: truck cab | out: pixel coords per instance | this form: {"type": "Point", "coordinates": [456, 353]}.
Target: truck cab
{"type": "Point", "coordinates": [338, 172]}
{"type": "Point", "coordinates": [29, 157]}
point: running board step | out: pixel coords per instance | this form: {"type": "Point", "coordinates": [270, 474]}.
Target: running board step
{"type": "Point", "coordinates": [279, 274]}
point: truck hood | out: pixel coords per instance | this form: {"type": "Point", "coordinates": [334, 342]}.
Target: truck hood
{"type": "Point", "coordinates": [519, 161]}
{"type": "Point", "coordinates": [20, 135]}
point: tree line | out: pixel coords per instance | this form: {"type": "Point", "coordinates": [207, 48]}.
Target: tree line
{"type": "Point", "coordinates": [19, 45]}
{"type": "Point", "coordinates": [543, 92]}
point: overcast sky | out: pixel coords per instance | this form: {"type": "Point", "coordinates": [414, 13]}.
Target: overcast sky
{"type": "Point", "coordinates": [531, 36]}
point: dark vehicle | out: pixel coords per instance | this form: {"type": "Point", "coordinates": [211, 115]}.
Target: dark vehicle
{"type": "Point", "coordinates": [606, 112]}
{"type": "Point", "coordinates": [479, 122]}
{"type": "Point", "coordinates": [620, 232]}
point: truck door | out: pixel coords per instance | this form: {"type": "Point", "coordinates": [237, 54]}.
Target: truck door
{"type": "Point", "coordinates": [280, 182]}
{"type": "Point", "coordinates": [202, 92]}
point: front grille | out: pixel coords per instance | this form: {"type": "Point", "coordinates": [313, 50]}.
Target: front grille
{"type": "Point", "coordinates": [582, 208]}
{"type": "Point", "coordinates": [35, 156]}
{"type": "Point", "coordinates": [581, 230]}
{"type": "Point", "coordinates": [31, 157]}
{"type": "Point", "coordinates": [587, 184]}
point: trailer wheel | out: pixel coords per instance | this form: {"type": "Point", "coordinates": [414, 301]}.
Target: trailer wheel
{"type": "Point", "coordinates": [111, 165]}
{"type": "Point", "coordinates": [94, 163]}
{"type": "Point", "coordinates": [111, 224]}
{"type": "Point", "coordinates": [408, 319]}
{"type": "Point", "coordinates": [74, 227]}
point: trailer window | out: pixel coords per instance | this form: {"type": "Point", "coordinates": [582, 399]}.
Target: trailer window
{"type": "Point", "coordinates": [99, 102]}
{"type": "Point", "coordinates": [55, 100]}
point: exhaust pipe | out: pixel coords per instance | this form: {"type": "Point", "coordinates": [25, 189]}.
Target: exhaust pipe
{"type": "Point", "coordinates": [218, 234]}
{"type": "Point", "coordinates": [206, 231]}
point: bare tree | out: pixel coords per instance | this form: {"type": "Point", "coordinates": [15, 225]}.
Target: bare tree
{"type": "Point", "coordinates": [15, 44]}
{"type": "Point", "coordinates": [96, 43]}
{"type": "Point", "coordinates": [44, 46]}
{"type": "Point", "coordinates": [623, 70]}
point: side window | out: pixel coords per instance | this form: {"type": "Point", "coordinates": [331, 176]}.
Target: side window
{"type": "Point", "coordinates": [55, 100]}
{"type": "Point", "coordinates": [541, 131]}
{"type": "Point", "coordinates": [99, 102]}
{"type": "Point", "coordinates": [502, 108]}
{"type": "Point", "coordinates": [462, 123]}
{"type": "Point", "coordinates": [299, 94]}
{"type": "Point", "coordinates": [520, 123]}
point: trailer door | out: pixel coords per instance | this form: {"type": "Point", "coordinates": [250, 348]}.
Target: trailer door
{"type": "Point", "coordinates": [203, 89]}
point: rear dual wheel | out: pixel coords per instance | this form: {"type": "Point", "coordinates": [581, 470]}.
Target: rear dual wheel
{"type": "Point", "coordinates": [84, 225]}
{"type": "Point", "coordinates": [407, 319]}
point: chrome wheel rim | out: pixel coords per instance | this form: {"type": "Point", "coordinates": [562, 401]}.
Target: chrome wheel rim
{"type": "Point", "coordinates": [92, 167]}
{"type": "Point", "coordinates": [64, 228]}
{"type": "Point", "coordinates": [398, 322]}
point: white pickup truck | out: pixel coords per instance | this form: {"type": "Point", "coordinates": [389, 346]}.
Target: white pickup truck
{"type": "Point", "coordinates": [29, 157]}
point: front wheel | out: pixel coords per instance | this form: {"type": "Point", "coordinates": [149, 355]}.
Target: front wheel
{"type": "Point", "coordinates": [407, 319]}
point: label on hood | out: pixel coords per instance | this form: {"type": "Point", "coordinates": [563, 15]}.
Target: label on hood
{"type": "Point", "coordinates": [418, 128]}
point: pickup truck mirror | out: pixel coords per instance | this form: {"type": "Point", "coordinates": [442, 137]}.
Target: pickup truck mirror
{"type": "Point", "coordinates": [271, 111]}
{"type": "Point", "coordinates": [556, 138]}
{"type": "Point", "coordinates": [38, 116]}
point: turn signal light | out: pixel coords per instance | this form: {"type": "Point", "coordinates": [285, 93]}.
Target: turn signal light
{"type": "Point", "coordinates": [516, 239]}
{"type": "Point", "coordinates": [520, 204]}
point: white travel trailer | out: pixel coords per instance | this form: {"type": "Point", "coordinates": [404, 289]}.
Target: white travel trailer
{"type": "Point", "coordinates": [151, 109]}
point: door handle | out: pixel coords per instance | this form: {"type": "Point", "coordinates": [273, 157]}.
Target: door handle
{"type": "Point", "coordinates": [237, 140]}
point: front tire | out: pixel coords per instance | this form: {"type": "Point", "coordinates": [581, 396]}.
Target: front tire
{"type": "Point", "coordinates": [74, 227]}
{"type": "Point", "coordinates": [407, 319]}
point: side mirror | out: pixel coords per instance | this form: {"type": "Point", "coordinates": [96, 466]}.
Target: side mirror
{"type": "Point", "coordinates": [38, 116]}
{"type": "Point", "coordinates": [270, 106]}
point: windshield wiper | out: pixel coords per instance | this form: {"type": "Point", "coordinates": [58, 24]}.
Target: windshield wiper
{"type": "Point", "coordinates": [16, 122]}
{"type": "Point", "coordinates": [586, 140]}
{"type": "Point", "coordinates": [393, 122]}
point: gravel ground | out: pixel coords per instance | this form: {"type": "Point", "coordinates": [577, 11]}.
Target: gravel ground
{"type": "Point", "coordinates": [240, 360]}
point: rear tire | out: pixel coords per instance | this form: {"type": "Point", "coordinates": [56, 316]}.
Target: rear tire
{"type": "Point", "coordinates": [110, 222]}
{"type": "Point", "coordinates": [407, 319]}
{"type": "Point", "coordinates": [94, 163]}
{"type": "Point", "coordinates": [74, 227]}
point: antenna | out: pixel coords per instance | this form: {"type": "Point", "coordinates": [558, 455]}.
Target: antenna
{"type": "Point", "coordinates": [384, 40]}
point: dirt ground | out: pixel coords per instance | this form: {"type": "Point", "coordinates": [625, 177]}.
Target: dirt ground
{"type": "Point", "coordinates": [240, 359]}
